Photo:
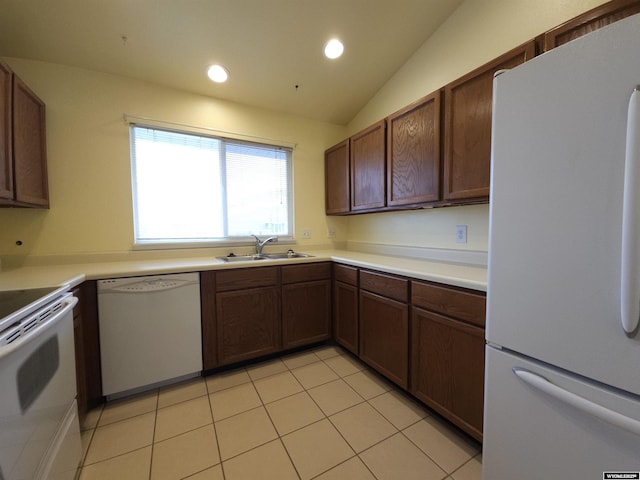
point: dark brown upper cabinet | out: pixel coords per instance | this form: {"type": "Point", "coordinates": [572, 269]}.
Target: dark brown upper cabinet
{"type": "Point", "coordinates": [413, 153]}
{"type": "Point", "coordinates": [29, 147]}
{"type": "Point", "coordinates": [23, 151]}
{"type": "Point", "coordinates": [367, 155]}
{"type": "Point", "coordinates": [438, 151]}
{"type": "Point", "coordinates": [467, 127]}
{"type": "Point", "coordinates": [594, 19]}
{"type": "Point", "coordinates": [6, 136]}
{"type": "Point", "coordinates": [337, 180]}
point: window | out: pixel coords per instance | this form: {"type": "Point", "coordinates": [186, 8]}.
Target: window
{"type": "Point", "coordinates": [195, 189]}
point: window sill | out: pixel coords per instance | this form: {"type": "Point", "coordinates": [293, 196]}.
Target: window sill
{"type": "Point", "coordinates": [208, 244]}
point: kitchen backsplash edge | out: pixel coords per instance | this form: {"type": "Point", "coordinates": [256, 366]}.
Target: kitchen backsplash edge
{"type": "Point", "coordinates": [466, 257]}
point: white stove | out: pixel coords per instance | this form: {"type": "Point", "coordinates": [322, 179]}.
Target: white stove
{"type": "Point", "coordinates": [39, 430]}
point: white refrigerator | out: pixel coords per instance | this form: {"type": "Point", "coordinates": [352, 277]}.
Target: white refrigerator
{"type": "Point", "coordinates": [562, 387]}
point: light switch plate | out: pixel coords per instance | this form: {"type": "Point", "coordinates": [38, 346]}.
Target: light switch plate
{"type": "Point", "coordinates": [461, 234]}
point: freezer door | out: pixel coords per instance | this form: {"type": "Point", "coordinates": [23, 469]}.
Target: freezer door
{"type": "Point", "coordinates": [555, 246]}
{"type": "Point", "coordinates": [531, 434]}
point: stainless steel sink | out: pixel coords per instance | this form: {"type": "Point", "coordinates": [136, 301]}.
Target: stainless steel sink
{"type": "Point", "coordinates": [276, 256]}
{"type": "Point", "coordinates": [263, 256]}
{"type": "Point", "coordinates": [243, 258]}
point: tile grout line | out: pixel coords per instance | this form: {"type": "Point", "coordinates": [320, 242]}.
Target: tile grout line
{"type": "Point", "coordinates": [465, 463]}
{"type": "Point", "coordinates": [326, 417]}
{"type": "Point", "coordinates": [367, 401]}
{"type": "Point", "coordinates": [263, 404]}
{"type": "Point", "coordinates": [153, 435]}
{"type": "Point", "coordinates": [424, 453]}
{"type": "Point", "coordinates": [305, 390]}
{"type": "Point", "coordinates": [279, 437]}
{"type": "Point", "coordinates": [215, 430]}
{"type": "Point", "coordinates": [84, 464]}
{"type": "Point", "coordinates": [364, 400]}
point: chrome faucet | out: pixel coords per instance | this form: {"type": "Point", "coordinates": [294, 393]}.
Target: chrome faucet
{"type": "Point", "coordinates": [261, 243]}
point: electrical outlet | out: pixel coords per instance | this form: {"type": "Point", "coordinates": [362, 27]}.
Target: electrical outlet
{"type": "Point", "coordinates": [331, 232]}
{"type": "Point", "coordinates": [461, 234]}
{"type": "Point", "coordinates": [306, 233]}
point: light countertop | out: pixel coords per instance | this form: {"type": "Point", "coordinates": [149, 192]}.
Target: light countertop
{"type": "Point", "coordinates": [455, 274]}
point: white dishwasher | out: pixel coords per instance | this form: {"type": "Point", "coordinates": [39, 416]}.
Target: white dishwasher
{"type": "Point", "coordinates": [150, 331]}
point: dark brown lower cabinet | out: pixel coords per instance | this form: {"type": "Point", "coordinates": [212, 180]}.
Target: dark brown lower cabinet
{"type": "Point", "coordinates": [306, 304]}
{"type": "Point", "coordinates": [345, 306]}
{"type": "Point", "coordinates": [448, 368]}
{"type": "Point", "coordinates": [345, 315]}
{"type": "Point", "coordinates": [384, 336]}
{"type": "Point", "coordinates": [81, 371]}
{"type": "Point", "coordinates": [248, 323]}
{"type": "Point", "coordinates": [306, 313]}
{"type": "Point", "coordinates": [208, 317]}
{"type": "Point", "coordinates": [251, 312]}
{"type": "Point", "coordinates": [87, 348]}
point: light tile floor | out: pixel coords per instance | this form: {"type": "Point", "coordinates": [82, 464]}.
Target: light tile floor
{"type": "Point", "coordinates": [320, 414]}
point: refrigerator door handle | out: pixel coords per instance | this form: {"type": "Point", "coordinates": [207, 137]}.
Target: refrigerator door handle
{"type": "Point", "coordinates": [579, 403]}
{"type": "Point", "coordinates": [630, 261]}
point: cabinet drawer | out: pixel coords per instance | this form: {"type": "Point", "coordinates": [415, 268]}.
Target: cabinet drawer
{"type": "Point", "coordinates": [306, 273]}
{"type": "Point", "coordinates": [345, 274]}
{"type": "Point", "coordinates": [459, 304]}
{"type": "Point", "coordinates": [386, 285]}
{"type": "Point", "coordinates": [246, 278]}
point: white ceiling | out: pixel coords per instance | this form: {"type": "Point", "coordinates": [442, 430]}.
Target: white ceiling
{"type": "Point", "coordinates": [268, 46]}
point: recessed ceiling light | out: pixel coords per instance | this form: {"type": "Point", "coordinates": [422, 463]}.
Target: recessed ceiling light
{"type": "Point", "coordinates": [333, 48]}
{"type": "Point", "coordinates": [218, 73]}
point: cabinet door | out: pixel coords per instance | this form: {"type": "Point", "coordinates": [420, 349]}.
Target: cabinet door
{"type": "Point", "coordinates": [336, 178]}
{"type": "Point", "coordinates": [6, 155]}
{"type": "Point", "coordinates": [248, 323]}
{"type": "Point", "coordinates": [29, 146]}
{"type": "Point", "coordinates": [306, 313]}
{"type": "Point", "coordinates": [467, 134]}
{"type": "Point", "coordinates": [448, 368]}
{"type": "Point", "coordinates": [384, 336]}
{"type": "Point", "coordinates": [413, 153]}
{"type": "Point", "coordinates": [594, 19]}
{"type": "Point", "coordinates": [345, 315]}
{"type": "Point", "coordinates": [208, 317]}
{"type": "Point", "coordinates": [87, 347]}
{"type": "Point", "coordinates": [367, 152]}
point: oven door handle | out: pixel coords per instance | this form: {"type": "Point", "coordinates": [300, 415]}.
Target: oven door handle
{"type": "Point", "coordinates": [67, 304]}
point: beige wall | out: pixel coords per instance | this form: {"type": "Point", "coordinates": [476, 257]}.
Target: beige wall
{"type": "Point", "coordinates": [88, 145]}
{"type": "Point", "coordinates": [478, 31]}
{"type": "Point", "coordinates": [89, 164]}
